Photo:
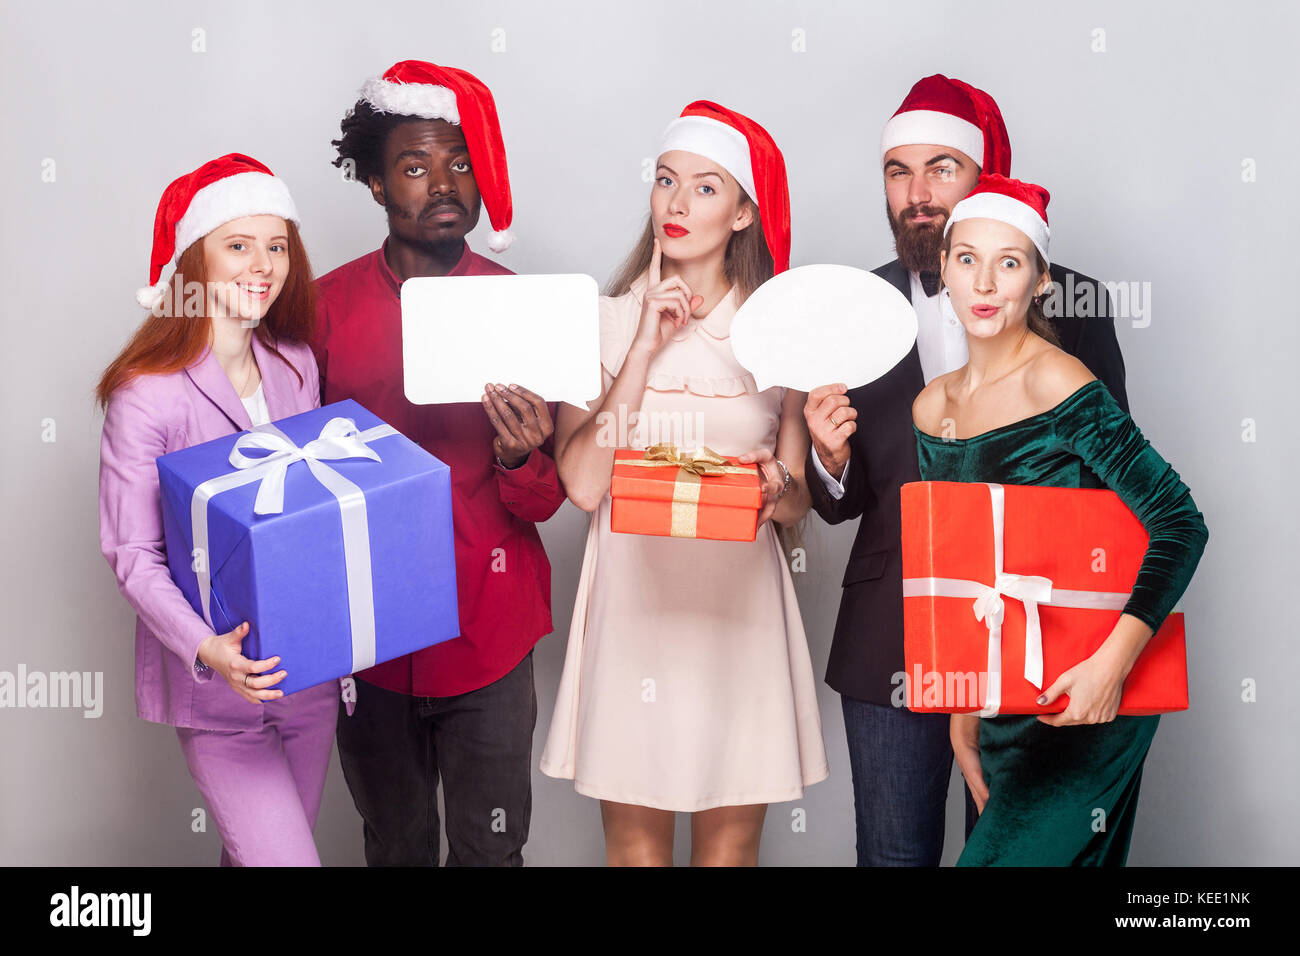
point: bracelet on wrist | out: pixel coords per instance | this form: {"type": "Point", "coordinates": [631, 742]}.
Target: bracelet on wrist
{"type": "Point", "coordinates": [788, 479]}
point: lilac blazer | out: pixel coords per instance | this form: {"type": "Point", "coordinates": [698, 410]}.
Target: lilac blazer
{"type": "Point", "coordinates": [151, 416]}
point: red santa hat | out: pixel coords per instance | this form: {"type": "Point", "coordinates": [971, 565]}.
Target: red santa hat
{"type": "Point", "coordinates": [419, 89]}
{"type": "Point", "coordinates": [744, 149]}
{"type": "Point", "coordinates": [948, 112]}
{"type": "Point", "coordinates": [1019, 204]}
{"type": "Point", "coordinates": [223, 189]}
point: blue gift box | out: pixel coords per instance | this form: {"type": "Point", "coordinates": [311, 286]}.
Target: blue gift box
{"type": "Point", "coordinates": [358, 568]}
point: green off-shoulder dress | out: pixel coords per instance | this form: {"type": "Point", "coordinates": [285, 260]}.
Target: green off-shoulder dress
{"type": "Point", "coordinates": [1067, 796]}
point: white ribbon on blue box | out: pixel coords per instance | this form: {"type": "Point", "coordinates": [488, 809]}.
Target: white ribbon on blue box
{"type": "Point", "coordinates": [336, 566]}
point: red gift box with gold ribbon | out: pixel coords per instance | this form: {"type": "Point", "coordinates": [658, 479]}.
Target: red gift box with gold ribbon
{"type": "Point", "coordinates": [697, 495]}
{"type": "Point", "coordinates": [1005, 587]}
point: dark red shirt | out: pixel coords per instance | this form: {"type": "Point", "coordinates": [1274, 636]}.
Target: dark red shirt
{"type": "Point", "coordinates": [503, 578]}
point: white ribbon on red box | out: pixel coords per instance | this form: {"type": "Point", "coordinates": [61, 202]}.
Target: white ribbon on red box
{"type": "Point", "coordinates": [1031, 590]}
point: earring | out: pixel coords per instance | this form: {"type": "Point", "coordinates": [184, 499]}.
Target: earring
{"type": "Point", "coordinates": [945, 307]}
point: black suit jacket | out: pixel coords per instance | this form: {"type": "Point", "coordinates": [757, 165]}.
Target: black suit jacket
{"type": "Point", "coordinates": [867, 650]}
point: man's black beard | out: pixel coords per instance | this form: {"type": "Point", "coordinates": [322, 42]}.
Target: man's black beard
{"type": "Point", "coordinates": [440, 250]}
{"type": "Point", "coordinates": [444, 250]}
{"type": "Point", "coordinates": [918, 246]}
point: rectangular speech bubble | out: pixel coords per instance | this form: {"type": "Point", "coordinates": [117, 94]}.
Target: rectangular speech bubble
{"type": "Point", "coordinates": [538, 331]}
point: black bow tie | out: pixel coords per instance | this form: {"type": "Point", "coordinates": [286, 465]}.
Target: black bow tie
{"type": "Point", "coordinates": [930, 282]}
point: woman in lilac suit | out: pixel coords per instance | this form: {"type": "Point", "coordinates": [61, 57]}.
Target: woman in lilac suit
{"type": "Point", "coordinates": [223, 349]}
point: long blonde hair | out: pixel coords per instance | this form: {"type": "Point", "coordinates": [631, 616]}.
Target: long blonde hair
{"type": "Point", "coordinates": [747, 266]}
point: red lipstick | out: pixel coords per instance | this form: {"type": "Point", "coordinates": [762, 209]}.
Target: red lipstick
{"type": "Point", "coordinates": [674, 231]}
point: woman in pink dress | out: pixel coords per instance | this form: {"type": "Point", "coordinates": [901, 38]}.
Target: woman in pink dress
{"type": "Point", "coordinates": [687, 684]}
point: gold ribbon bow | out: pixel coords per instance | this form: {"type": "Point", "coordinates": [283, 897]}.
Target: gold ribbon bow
{"type": "Point", "coordinates": [703, 461]}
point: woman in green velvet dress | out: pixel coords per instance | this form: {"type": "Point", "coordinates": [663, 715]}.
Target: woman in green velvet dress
{"type": "Point", "coordinates": [1060, 789]}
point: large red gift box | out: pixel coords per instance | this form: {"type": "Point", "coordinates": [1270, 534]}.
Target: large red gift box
{"type": "Point", "coordinates": [701, 495]}
{"type": "Point", "coordinates": [1063, 560]}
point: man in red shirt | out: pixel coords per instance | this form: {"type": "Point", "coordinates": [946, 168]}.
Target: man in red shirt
{"type": "Point", "coordinates": [425, 140]}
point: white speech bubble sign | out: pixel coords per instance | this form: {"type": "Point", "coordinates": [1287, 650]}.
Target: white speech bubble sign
{"type": "Point", "coordinates": [821, 324]}
{"type": "Point", "coordinates": [538, 331]}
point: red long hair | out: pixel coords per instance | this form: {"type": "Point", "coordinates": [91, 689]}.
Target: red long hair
{"type": "Point", "coordinates": [169, 343]}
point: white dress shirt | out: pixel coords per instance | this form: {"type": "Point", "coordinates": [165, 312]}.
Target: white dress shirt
{"type": "Point", "coordinates": [941, 345]}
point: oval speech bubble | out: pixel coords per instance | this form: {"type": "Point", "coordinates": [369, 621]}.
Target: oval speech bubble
{"type": "Point", "coordinates": [820, 324]}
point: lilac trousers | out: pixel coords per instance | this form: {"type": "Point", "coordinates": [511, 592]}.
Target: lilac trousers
{"type": "Point", "coordinates": [263, 787]}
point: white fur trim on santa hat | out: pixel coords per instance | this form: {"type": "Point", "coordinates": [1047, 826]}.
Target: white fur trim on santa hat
{"type": "Point", "coordinates": [244, 194]}
{"type": "Point", "coordinates": [411, 99]}
{"type": "Point", "coordinates": [1004, 209]}
{"type": "Point", "coordinates": [932, 127]}
{"type": "Point", "coordinates": [714, 140]}
{"type": "Point", "coordinates": [500, 240]}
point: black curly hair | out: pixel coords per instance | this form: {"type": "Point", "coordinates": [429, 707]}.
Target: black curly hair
{"type": "Point", "coordinates": [365, 133]}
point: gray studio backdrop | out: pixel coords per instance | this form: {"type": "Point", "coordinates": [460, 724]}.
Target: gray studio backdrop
{"type": "Point", "coordinates": [1160, 130]}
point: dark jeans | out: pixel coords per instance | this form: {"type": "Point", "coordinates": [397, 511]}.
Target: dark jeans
{"type": "Point", "coordinates": [901, 765]}
{"type": "Point", "coordinates": [395, 747]}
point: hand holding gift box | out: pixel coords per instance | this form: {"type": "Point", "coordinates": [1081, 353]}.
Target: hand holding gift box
{"type": "Point", "coordinates": [698, 495]}
{"type": "Point", "coordinates": [335, 544]}
{"type": "Point", "coordinates": [1005, 587]}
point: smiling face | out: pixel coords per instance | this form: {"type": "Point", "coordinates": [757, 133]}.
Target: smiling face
{"type": "Point", "coordinates": [695, 206]}
{"type": "Point", "coordinates": [428, 185]}
{"type": "Point", "coordinates": [247, 262]}
{"type": "Point", "coordinates": [922, 184]}
{"type": "Point", "coordinates": [991, 271]}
